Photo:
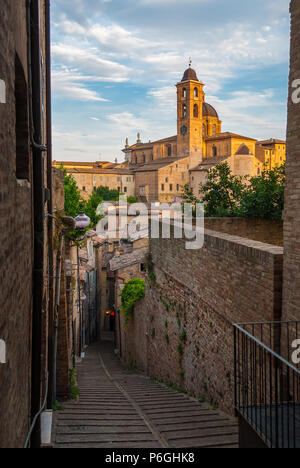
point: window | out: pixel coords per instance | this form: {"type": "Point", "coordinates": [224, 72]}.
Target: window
{"type": "Point", "coordinates": [83, 178]}
{"type": "Point", "coordinates": [196, 94]}
{"type": "Point", "coordinates": [95, 188]}
{"type": "Point", "coordinates": [83, 189]}
{"type": "Point", "coordinates": [107, 179]}
{"type": "Point", "coordinates": [214, 129]}
{"type": "Point", "coordinates": [169, 150]}
{"type": "Point", "coordinates": [204, 130]}
{"type": "Point", "coordinates": [182, 176]}
{"type": "Point", "coordinates": [119, 189]}
{"type": "Point", "coordinates": [167, 179]}
{"type": "Point", "coordinates": [184, 111]}
{"type": "Point", "coordinates": [101, 178]}
{"type": "Point", "coordinates": [125, 189]}
{"type": "Point", "coordinates": [258, 171]}
{"type": "Point", "coordinates": [162, 187]}
{"type": "Point", "coordinates": [178, 187]}
{"type": "Point", "coordinates": [171, 187]}
{"type": "Point", "coordinates": [184, 93]}
{"type": "Point", "coordinates": [119, 179]}
{"type": "Point", "coordinates": [214, 151]}
{"type": "Point", "coordinates": [143, 268]}
{"type": "Point", "coordinates": [21, 129]}
{"type": "Point", "coordinates": [196, 111]}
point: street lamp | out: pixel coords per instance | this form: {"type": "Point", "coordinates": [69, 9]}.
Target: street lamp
{"type": "Point", "coordinates": [82, 221]}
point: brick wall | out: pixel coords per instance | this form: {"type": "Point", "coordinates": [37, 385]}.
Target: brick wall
{"type": "Point", "coordinates": [16, 231]}
{"type": "Point", "coordinates": [182, 332]}
{"type": "Point", "coordinates": [261, 230]}
{"type": "Point", "coordinates": [15, 244]}
{"type": "Point", "coordinates": [291, 290]}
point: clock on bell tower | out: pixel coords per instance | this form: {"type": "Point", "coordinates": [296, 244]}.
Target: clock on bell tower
{"type": "Point", "coordinates": [190, 98]}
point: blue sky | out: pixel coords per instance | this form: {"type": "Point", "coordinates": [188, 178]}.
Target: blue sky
{"type": "Point", "coordinates": [115, 64]}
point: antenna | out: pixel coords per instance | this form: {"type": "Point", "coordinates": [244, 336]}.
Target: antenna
{"type": "Point", "coordinates": [190, 63]}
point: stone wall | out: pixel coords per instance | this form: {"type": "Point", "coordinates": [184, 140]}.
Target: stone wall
{"type": "Point", "coordinates": [291, 290]}
{"type": "Point", "coordinates": [182, 332]}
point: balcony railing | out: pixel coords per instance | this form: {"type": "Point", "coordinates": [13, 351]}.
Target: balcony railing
{"type": "Point", "coordinates": [267, 381]}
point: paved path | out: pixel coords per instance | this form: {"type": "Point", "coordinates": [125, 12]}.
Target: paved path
{"type": "Point", "coordinates": [120, 408]}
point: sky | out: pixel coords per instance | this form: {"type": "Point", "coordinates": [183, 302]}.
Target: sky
{"type": "Point", "coordinates": [116, 63]}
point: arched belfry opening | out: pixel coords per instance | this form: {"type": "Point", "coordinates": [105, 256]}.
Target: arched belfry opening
{"type": "Point", "coordinates": [196, 111]}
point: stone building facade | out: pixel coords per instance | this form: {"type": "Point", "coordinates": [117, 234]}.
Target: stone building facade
{"type": "Point", "coordinates": [89, 176]}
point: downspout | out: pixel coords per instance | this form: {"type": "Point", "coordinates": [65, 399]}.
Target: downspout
{"type": "Point", "coordinates": [34, 79]}
{"type": "Point", "coordinates": [56, 311]}
{"type": "Point", "coordinates": [79, 302]}
{"type": "Point", "coordinates": [51, 348]}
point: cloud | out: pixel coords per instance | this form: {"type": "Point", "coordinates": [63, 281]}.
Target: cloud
{"type": "Point", "coordinates": [90, 62]}
{"type": "Point", "coordinates": [128, 121]}
{"type": "Point", "coordinates": [132, 54]}
{"type": "Point", "coordinates": [68, 83]}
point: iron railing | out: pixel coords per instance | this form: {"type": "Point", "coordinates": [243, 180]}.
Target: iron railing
{"type": "Point", "coordinates": [267, 381]}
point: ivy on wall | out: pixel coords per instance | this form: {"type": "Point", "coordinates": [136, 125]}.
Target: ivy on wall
{"type": "Point", "coordinates": [133, 292]}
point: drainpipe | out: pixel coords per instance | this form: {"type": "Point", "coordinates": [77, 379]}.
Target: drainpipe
{"type": "Point", "coordinates": [34, 79]}
{"type": "Point", "coordinates": [51, 350]}
{"type": "Point", "coordinates": [79, 302]}
{"type": "Point", "coordinates": [56, 309]}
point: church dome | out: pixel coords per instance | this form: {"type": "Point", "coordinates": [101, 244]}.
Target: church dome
{"type": "Point", "coordinates": [190, 74]}
{"type": "Point", "coordinates": [209, 111]}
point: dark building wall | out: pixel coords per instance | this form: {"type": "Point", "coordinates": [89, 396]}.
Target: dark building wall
{"type": "Point", "coordinates": [16, 229]}
{"type": "Point", "coordinates": [15, 239]}
{"type": "Point", "coordinates": [291, 291]}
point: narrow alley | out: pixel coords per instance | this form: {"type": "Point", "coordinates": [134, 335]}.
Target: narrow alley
{"type": "Point", "coordinates": [121, 408]}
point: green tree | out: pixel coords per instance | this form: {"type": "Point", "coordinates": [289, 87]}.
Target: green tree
{"type": "Point", "coordinates": [264, 197]}
{"type": "Point", "coordinates": [188, 195]}
{"type": "Point", "coordinates": [222, 192]}
{"type": "Point", "coordinates": [106, 194]}
{"type": "Point", "coordinates": [73, 200]}
{"type": "Point", "coordinates": [74, 203]}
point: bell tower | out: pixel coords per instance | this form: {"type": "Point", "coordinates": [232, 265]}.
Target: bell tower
{"type": "Point", "coordinates": [190, 98]}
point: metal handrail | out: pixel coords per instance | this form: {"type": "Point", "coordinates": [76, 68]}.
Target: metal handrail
{"type": "Point", "coordinates": [267, 383]}
{"type": "Point", "coordinates": [267, 348]}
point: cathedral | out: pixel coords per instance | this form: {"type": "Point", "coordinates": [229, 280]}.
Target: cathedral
{"type": "Point", "coordinates": [162, 167]}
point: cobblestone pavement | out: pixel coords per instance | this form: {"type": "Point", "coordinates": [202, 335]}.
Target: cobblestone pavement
{"type": "Point", "coordinates": [121, 408]}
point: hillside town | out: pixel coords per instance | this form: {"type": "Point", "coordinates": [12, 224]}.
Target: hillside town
{"type": "Point", "coordinates": [116, 332]}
